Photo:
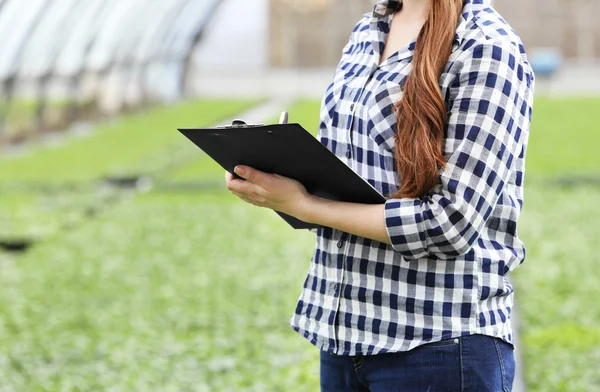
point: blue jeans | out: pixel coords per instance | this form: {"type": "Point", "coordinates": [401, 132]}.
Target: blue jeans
{"type": "Point", "coordinates": [475, 363]}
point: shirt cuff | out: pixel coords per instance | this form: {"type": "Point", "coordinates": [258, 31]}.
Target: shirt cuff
{"type": "Point", "coordinates": [406, 228]}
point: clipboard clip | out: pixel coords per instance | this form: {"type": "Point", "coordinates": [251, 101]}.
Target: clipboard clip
{"type": "Point", "coordinates": [239, 124]}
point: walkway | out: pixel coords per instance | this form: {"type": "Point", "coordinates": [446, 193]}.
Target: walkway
{"type": "Point", "coordinates": [311, 83]}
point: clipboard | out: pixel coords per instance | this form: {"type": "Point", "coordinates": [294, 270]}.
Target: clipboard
{"type": "Point", "coordinates": [288, 150]}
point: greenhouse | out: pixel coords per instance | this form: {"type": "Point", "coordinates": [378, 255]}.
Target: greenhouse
{"type": "Point", "coordinates": [64, 60]}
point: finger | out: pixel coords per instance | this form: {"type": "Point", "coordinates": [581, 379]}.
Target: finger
{"type": "Point", "coordinates": [249, 200]}
{"type": "Point", "coordinates": [246, 188]}
{"type": "Point", "coordinates": [228, 179]}
{"type": "Point", "coordinates": [254, 199]}
{"type": "Point", "coordinates": [254, 176]}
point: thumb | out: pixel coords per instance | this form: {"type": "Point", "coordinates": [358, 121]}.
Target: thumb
{"type": "Point", "coordinates": [254, 176]}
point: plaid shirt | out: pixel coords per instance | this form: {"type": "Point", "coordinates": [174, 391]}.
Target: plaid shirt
{"type": "Point", "coordinates": [444, 276]}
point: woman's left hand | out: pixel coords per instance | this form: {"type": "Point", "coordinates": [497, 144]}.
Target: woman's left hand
{"type": "Point", "coordinates": [268, 190]}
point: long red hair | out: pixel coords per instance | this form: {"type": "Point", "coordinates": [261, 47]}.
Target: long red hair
{"type": "Point", "coordinates": [421, 112]}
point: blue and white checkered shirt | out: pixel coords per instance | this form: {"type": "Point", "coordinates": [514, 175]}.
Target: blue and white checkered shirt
{"type": "Point", "coordinates": [444, 276]}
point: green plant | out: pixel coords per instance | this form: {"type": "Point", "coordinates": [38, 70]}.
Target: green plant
{"type": "Point", "coordinates": [135, 143]}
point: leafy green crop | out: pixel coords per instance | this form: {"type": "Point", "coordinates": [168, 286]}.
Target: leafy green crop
{"type": "Point", "coordinates": [21, 114]}
{"type": "Point", "coordinates": [128, 145]}
{"type": "Point", "coordinates": [564, 137]}
{"type": "Point", "coordinates": [164, 292]}
{"type": "Point", "coordinates": [33, 204]}
{"type": "Point", "coordinates": [557, 289]}
{"type": "Point", "coordinates": [192, 290]}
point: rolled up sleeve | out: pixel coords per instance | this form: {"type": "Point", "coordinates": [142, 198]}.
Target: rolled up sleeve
{"type": "Point", "coordinates": [490, 108]}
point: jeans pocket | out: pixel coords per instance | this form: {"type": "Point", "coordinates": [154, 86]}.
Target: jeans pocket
{"type": "Point", "coordinates": [430, 367]}
{"type": "Point", "coordinates": [506, 359]}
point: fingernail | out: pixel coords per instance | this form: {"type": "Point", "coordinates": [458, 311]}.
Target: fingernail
{"type": "Point", "coordinates": [239, 170]}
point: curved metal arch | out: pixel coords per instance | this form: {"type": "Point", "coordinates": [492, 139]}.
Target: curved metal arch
{"type": "Point", "coordinates": [187, 28]}
{"type": "Point", "coordinates": [167, 66]}
{"type": "Point", "coordinates": [19, 20]}
{"type": "Point", "coordinates": [66, 38]}
{"type": "Point", "coordinates": [46, 42]}
{"type": "Point", "coordinates": [141, 14]}
{"type": "Point", "coordinates": [192, 26]}
{"type": "Point", "coordinates": [150, 46]}
{"type": "Point", "coordinates": [2, 3]}
{"type": "Point", "coordinates": [171, 32]}
{"type": "Point", "coordinates": [167, 59]}
{"type": "Point", "coordinates": [148, 36]}
{"type": "Point", "coordinates": [125, 63]}
{"type": "Point", "coordinates": [101, 54]}
{"type": "Point", "coordinates": [73, 58]}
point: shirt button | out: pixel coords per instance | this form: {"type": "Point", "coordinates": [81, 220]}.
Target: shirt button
{"type": "Point", "coordinates": [348, 154]}
{"type": "Point", "coordinates": [335, 288]}
{"type": "Point", "coordinates": [340, 244]}
{"type": "Point", "coordinates": [352, 107]}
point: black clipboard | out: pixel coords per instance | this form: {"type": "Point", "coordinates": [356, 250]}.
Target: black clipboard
{"type": "Point", "coordinates": [290, 151]}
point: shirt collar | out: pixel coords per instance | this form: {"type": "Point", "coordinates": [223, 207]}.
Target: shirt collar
{"type": "Point", "coordinates": [386, 7]}
{"type": "Point", "coordinates": [470, 7]}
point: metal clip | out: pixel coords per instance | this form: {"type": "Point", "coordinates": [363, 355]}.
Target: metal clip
{"type": "Point", "coordinates": [239, 124]}
{"type": "Point", "coordinates": [283, 119]}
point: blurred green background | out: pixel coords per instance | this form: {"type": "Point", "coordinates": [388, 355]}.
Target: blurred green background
{"type": "Point", "coordinates": [125, 264]}
{"type": "Point", "coordinates": [176, 289]}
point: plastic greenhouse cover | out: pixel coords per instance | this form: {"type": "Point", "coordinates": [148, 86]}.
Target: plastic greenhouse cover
{"type": "Point", "coordinates": [189, 22]}
{"type": "Point", "coordinates": [167, 38]}
{"type": "Point", "coordinates": [65, 37]}
{"type": "Point", "coordinates": [41, 50]}
{"type": "Point", "coordinates": [141, 16]}
{"type": "Point", "coordinates": [72, 57]}
{"type": "Point", "coordinates": [17, 18]}
{"type": "Point", "coordinates": [150, 44]}
{"type": "Point", "coordinates": [109, 36]}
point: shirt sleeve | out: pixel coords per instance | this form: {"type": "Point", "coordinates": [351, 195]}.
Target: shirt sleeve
{"type": "Point", "coordinates": [490, 110]}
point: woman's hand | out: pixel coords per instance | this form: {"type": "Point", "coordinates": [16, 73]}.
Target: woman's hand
{"type": "Point", "coordinates": [268, 190]}
{"type": "Point", "coordinates": [290, 197]}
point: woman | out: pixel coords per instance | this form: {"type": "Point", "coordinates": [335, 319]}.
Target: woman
{"type": "Point", "coordinates": [411, 295]}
